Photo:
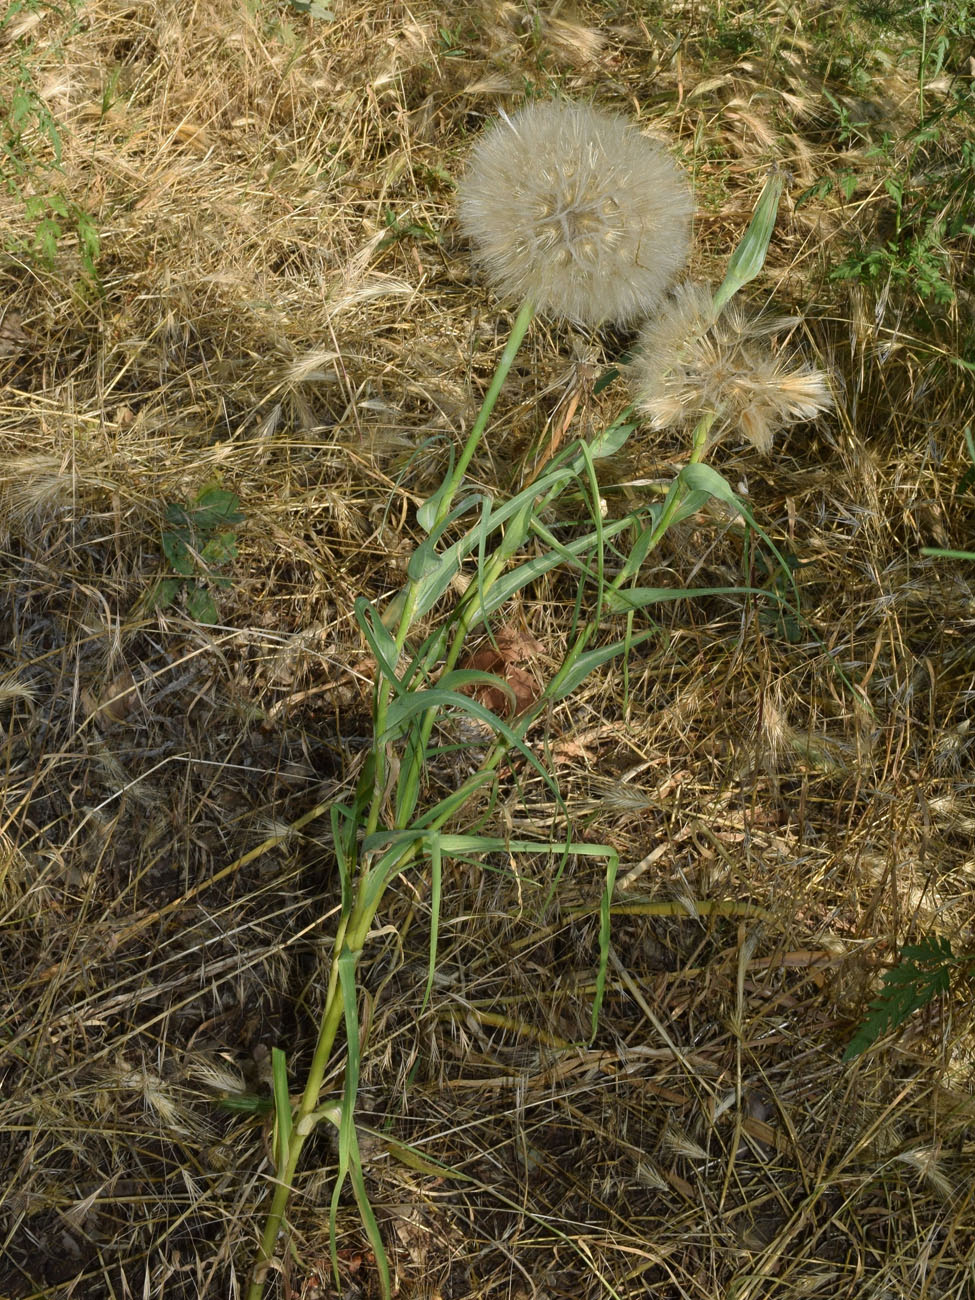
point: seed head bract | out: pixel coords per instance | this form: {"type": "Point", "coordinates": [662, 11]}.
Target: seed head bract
{"type": "Point", "coordinates": [575, 211]}
{"type": "Point", "coordinates": [692, 361]}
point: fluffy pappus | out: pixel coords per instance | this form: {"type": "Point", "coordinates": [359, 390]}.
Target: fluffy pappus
{"type": "Point", "coordinates": [692, 362]}
{"type": "Point", "coordinates": [574, 210]}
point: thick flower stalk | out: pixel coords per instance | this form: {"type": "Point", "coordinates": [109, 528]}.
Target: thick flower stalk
{"type": "Point", "coordinates": [573, 210]}
{"type": "Point", "coordinates": [694, 362]}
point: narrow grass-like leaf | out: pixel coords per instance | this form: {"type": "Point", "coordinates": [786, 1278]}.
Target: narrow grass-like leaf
{"type": "Point", "coordinates": [281, 1147]}
{"type": "Point", "coordinates": [431, 572]}
{"type": "Point", "coordinates": [436, 881]}
{"type": "Point", "coordinates": [633, 598]}
{"type": "Point", "coordinates": [401, 710]}
{"type": "Point", "coordinates": [463, 846]}
{"type": "Point", "coordinates": [368, 1217]}
{"type": "Point", "coordinates": [347, 961]}
{"type": "Point", "coordinates": [516, 579]}
{"type": "Point", "coordinates": [409, 781]}
{"type": "Point", "coordinates": [561, 552]}
{"type": "Point", "coordinates": [614, 438]}
{"type": "Point", "coordinates": [345, 825]}
{"type": "Point", "coordinates": [247, 1103]}
{"type": "Point", "coordinates": [689, 506]}
{"type": "Point", "coordinates": [514, 739]}
{"type": "Point", "coordinates": [426, 559]}
{"type": "Point", "coordinates": [435, 583]}
{"type": "Point", "coordinates": [588, 661]}
{"type": "Point", "coordinates": [334, 1115]}
{"type": "Point", "coordinates": [438, 570]}
{"type": "Point", "coordinates": [749, 257]}
{"type": "Point", "coordinates": [412, 1159]}
{"type": "Point", "coordinates": [703, 478]}
{"type": "Point", "coordinates": [942, 553]}
{"type": "Point", "coordinates": [457, 679]}
{"type": "Point", "coordinates": [400, 855]}
{"type": "Point", "coordinates": [639, 551]}
{"type": "Point", "coordinates": [595, 514]}
{"type": "Point", "coordinates": [487, 571]}
{"type": "Point", "coordinates": [427, 511]}
{"type": "Point", "coordinates": [380, 641]}
{"type": "Point", "coordinates": [454, 845]}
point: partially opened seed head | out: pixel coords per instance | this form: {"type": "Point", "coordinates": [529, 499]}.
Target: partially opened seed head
{"type": "Point", "coordinates": [692, 361]}
{"type": "Point", "coordinates": [575, 211]}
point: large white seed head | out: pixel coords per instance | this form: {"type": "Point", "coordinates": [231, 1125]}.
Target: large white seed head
{"type": "Point", "coordinates": [576, 211]}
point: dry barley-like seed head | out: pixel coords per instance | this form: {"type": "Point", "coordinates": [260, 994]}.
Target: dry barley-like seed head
{"type": "Point", "coordinates": [692, 362]}
{"type": "Point", "coordinates": [574, 210]}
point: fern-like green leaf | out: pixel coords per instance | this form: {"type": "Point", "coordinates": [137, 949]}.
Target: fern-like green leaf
{"type": "Point", "coordinates": [923, 972]}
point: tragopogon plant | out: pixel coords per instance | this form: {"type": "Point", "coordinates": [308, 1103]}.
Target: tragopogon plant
{"type": "Point", "coordinates": [598, 223]}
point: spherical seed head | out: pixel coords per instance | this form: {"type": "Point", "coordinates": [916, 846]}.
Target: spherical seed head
{"type": "Point", "coordinates": [692, 361]}
{"type": "Point", "coordinates": [576, 211]}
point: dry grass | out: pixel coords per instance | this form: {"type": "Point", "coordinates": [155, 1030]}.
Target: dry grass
{"type": "Point", "coordinates": [261, 323]}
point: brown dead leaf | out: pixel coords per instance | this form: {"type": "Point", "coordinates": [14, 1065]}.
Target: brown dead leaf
{"type": "Point", "coordinates": [115, 701]}
{"type": "Point", "coordinates": [14, 339]}
{"type": "Point", "coordinates": [517, 645]}
{"type": "Point", "coordinates": [571, 751]}
{"type": "Point", "coordinates": [525, 689]}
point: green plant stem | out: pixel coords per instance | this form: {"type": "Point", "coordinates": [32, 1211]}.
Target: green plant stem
{"type": "Point", "coordinates": [699, 446]}
{"type": "Point", "coordinates": [515, 340]}
{"type": "Point", "coordinates": [353, 929]}
{"type": "Point", "coordinates": [351, 937]}
{"type": "Point", "coordinates": [302, 1126]}
{"type": "Point", "coordinates": [446, 495]}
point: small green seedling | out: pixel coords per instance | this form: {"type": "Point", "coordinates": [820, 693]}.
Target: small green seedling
{"type": "Point", "coordinates": [199, 539]}
{"type": "Point", "coordinates": [404, 228]}
{"type": "Point", "coordinates": [314, 9]}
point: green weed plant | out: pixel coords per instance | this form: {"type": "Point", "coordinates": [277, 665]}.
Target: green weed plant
{"type": "Point", "coordinates": [31, 147]}
{"type": "Point", "coordinates": [926, 970]}
{"type": "Point", "coordinates": [199, 540]}
{"type": "Point", "coordinates": [927, 172]}
{"type": "Point", "coordinates": [386, 829]}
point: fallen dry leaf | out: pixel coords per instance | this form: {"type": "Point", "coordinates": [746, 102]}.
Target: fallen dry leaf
{"type": "Point", "coordinates": [14, 339]}
{"type": "Point", "coordinates": [516, 645]}
{"type": "Point", "coordinates": [571, 751]}
{"type": "Point", "coordinates": [115, 701]}
{"type": "Point", "coordinates": [525, 689]}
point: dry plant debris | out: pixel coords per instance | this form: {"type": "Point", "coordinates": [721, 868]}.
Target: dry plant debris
{"type": "Point", "coordinates": [284, 306]}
